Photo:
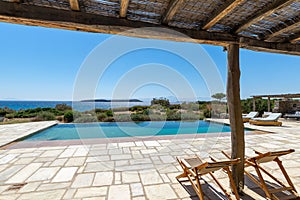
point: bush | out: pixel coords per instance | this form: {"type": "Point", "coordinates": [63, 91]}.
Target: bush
{"type": "Point", "coordinates": [190, 116]}
{"type": "Point", "coordinates": [68, 116]}
{"type": "Point", "coordinates": [10, 116]}
{"type": "Point", "coordinates": [138, 108]}
{"type": "Point", "coordinates": [44, 116]}
{"type": "Point", "coordinates": [60, 118]}
{"type": "Point", "coordinates": [109, 119]}
{"type": "Point", "coordinates": [6, 110]}
{"type": "Point", "coordinates": [161, 101]}
{"type": "Point", "coordinates": [85, 119]}
{"type": "Point", "coordinates": [63, 107]}
{"type": "Point", "coordinates": [207, 113]}
{"type": "Point", "coordinates": [122, 118]}
{"type": "Point", "coordinates": [155, 117]}
{"type": "Point", "coordinates": [101, 116]}
{"type": "Point", "coordinates": [109, 113]}
{"type": "Point", "coordinates": [139, 117]}
{"type": "Point", "coordinates": [173, 116]}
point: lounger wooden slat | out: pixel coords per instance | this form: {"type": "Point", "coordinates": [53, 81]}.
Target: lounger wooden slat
{"type": "Point", "coordinates": [261, 158]}
{"type": "Point", "coordinates": [194, 169]}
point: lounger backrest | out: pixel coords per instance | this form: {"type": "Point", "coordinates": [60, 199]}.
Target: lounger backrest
{"type": "Point", "coordinates": [274, 116]}
{"type": "Point", "coordinates": [251, 115]}
{"type": "Point", "coordinates": [270, 156]}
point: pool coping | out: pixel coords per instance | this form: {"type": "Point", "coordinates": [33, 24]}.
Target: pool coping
{"type": "Point", "coordinates": [19, 133]}
{"type": "Point", "coordinates": [91, 141]}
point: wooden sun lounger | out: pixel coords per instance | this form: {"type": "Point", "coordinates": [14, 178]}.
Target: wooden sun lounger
{"type": "Point", "coordinates": [271, 120]}
{"type": "Point", "coordinates": [194, 169]}
{"type": "Point", "coordinates": [265, 123]}
{"type": "Point", "coordinates": [256, 162]}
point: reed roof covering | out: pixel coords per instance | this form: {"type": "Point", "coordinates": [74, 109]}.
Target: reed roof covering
{"type": "Point", "coordinates": [264, 25]}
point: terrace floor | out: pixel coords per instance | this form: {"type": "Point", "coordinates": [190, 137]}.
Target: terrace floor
{"type": "Point", "coordinates": [137, 169]}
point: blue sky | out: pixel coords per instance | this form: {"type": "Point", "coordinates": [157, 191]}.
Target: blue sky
{"type": "Point", "coordinates": [44, 64]}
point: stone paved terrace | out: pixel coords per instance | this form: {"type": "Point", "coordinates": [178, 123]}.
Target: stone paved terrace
{"type": "Point", "coordinates": [129, 170]}
{"type": "Point", "coordinates": [12, 132]}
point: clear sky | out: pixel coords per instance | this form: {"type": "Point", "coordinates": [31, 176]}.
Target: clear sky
{"type": "Point", "coordinates": [45, 64]}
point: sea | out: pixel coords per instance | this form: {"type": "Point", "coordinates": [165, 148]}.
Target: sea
{"type": "Point", "coordinates": [79, 106]}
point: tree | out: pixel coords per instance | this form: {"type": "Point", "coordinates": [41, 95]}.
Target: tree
{"type": "Point", "coordinates": [218, 96]}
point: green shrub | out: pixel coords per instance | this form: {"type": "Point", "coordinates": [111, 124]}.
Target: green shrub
{"type": "Point", "coordinates": [173, 116]}
{"type": "Point", "coordinates": [44, 116]}
{"type": "Point", "coordinates": [60, 118]}
{"type": "Point", "coordinates": [99, 110]}
{"type": "Point", "coordinates": [161, 101]}
{"type": "Point", "coordinates": [156, 117]}
{"type": "Point", "coordinates": [10, 116]}
{"type": "Point", "coordinates": [109, 119]}
{"type": "Point", "coordinates": [206, 113]}
{"type": "Point", "coordinates": [122, 118]}
{"type": "Point", "coordinates": [6, 110]}
{"type": "Point", "coordinates": [139, 117]}
{"type": "Point", "coordinates": [63, 107]}
{"type": "Point", "coordinates": [68, 116]}
{"type": "Point", "coordinates": [190, 116]}
{"type": "Point", "coordinates": [101, 116]}
{"type": "Point", "coordinates": [85, 119]}
{"type": "Point", "coordinates": [138, 108]}
{"type": "Point", "coordinates": [109, 113]}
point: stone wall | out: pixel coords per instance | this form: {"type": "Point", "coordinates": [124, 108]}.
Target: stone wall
{"type": "Point", "coordinates": [286, 106]}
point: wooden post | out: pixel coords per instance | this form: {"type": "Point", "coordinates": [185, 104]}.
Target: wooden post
{"type": "Point", "coordinates": [235, 115]}
{"type": "Point", "coordinates": [269, 106]}
{"type": "Point", "coordinates": [253, 102]}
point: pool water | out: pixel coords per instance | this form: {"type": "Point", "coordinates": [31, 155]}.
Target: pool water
{"type": "Point", "coordinates": [126, 129]}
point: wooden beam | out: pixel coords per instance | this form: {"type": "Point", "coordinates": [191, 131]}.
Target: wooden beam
{"type": "Point", "coordinates": [278, 96]}
{"type": "Point", "coordinates": [66, 19]}
{"type": "Point", "coordinates": [74, 5]}
{"type": "Point", "coordinates": [277, 4]}
{"type": "Point", "coordinates": [235, 114]}
{"type": "Point", "coordinates": [296, 39]}
{"type": "Point", "coordinates": [282, 48]}
{"type": "Point", "coordinates": [220, 13]}
{"type": "Point", "coordinates": [173, 7]}
{"type": "Point", "coordinates": [124, 8]}
{"type": "Point", "coordinates": [289, 26]}
{"type": "Point", "coordinates": [55, 18]}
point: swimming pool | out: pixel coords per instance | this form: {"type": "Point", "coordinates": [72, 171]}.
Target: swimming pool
{"type": "Point", "coordinates": [126, 129]}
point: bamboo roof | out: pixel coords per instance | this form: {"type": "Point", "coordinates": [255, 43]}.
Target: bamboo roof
{"type": "Point", "coordinates": [263, 25]}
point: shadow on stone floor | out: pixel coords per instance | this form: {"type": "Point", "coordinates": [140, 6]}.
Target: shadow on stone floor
{"type": "Point", "coordinates": [253, 191]}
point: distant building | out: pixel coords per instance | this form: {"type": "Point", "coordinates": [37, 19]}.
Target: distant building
{"type": "Point", "coordinates": [284, 103]}
{"type": "Point", "coordinates": [286, 106]}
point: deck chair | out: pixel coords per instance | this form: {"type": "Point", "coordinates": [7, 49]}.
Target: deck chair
{"type": "Point", "coordinates": [271, 120]}
{"type": "Point", "coordinates": [194, 169]}
{"type": "Point", "coordinates": [256, 162]}
{"type": "Point", "coordinates": [249, 116]}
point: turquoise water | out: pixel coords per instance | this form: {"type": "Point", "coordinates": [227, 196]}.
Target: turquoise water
{"type": "Point", "coordinates": [126, 129]}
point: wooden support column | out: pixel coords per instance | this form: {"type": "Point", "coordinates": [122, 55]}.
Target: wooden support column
{"type": "Point", "coordinates": [269, 105]}
{"type": "Point", "coordinates": [253, 103]}
{"type": "Point", "coordinates": [235, 115]}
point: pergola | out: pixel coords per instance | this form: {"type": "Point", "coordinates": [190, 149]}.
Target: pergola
{"type": "Point", "coordinates": [261, 25]}
{"type": "Point", "coordinates": [286, 96]}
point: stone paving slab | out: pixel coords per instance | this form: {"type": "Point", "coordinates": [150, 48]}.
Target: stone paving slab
{"type": "Point", "coordinates": [12, 132]}
{"type": "Point", "coordinates": [114, 171]}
